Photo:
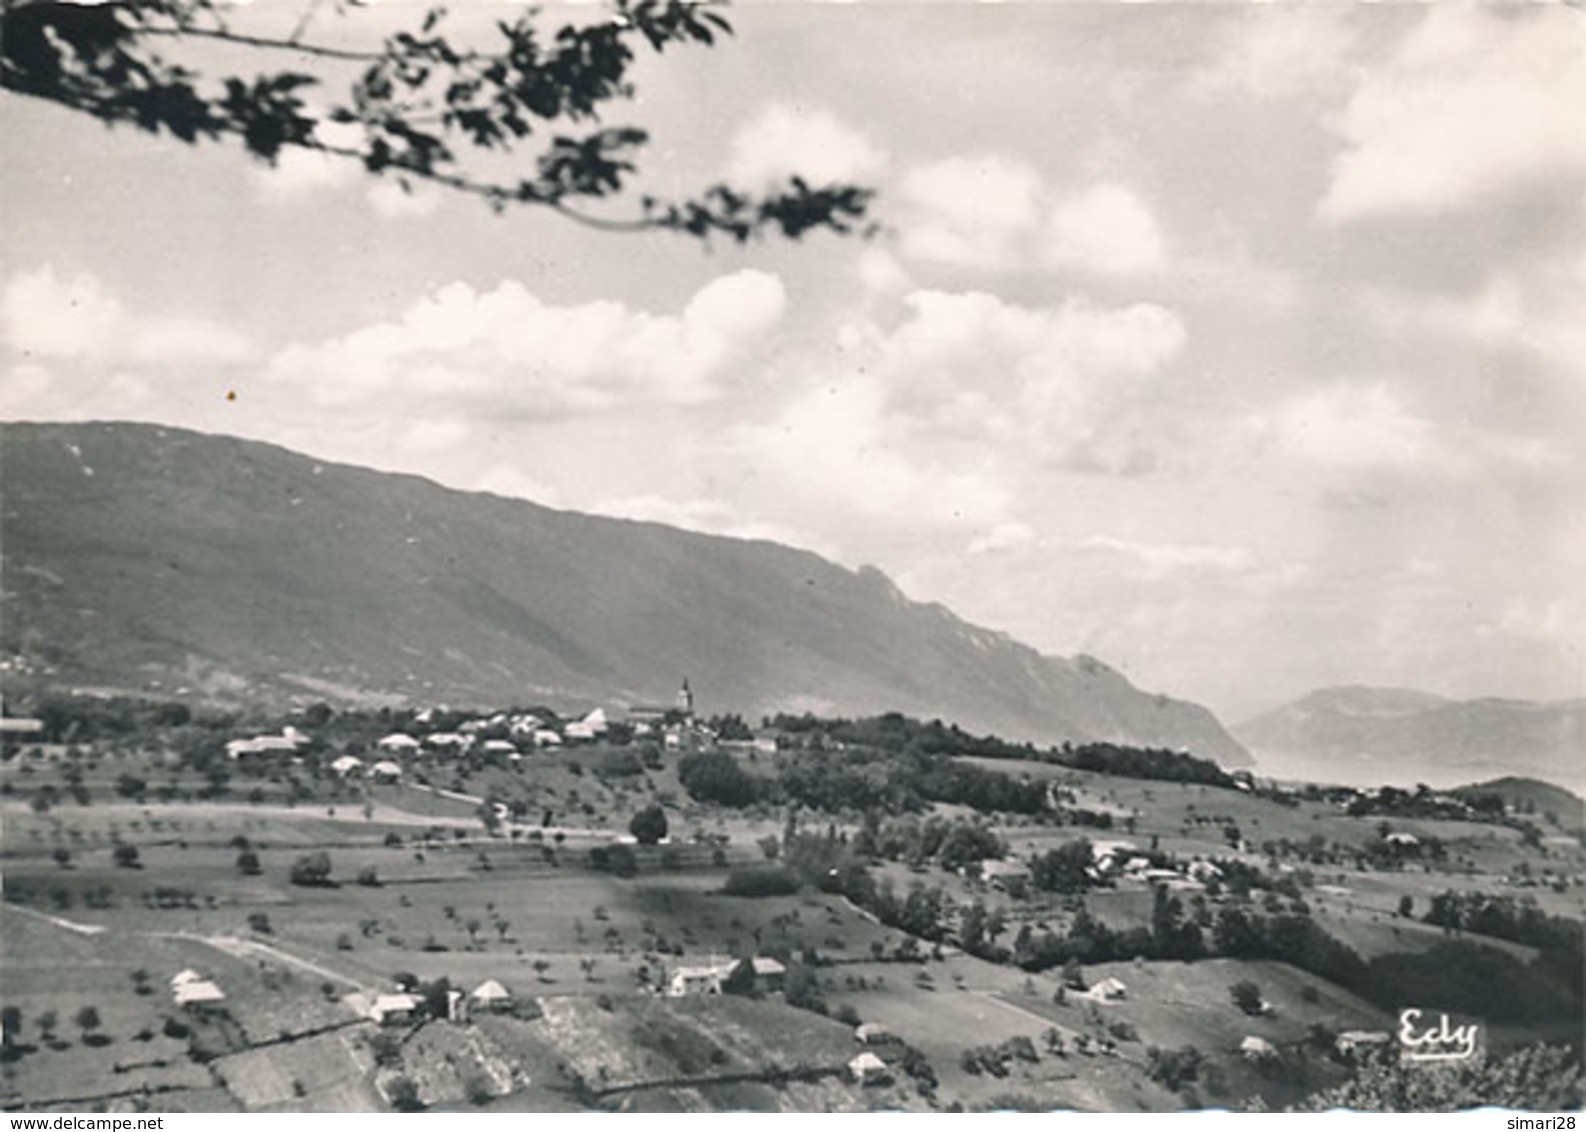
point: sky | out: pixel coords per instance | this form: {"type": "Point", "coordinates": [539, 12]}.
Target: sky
{"type": "Point", "coordinates": [1243, 347]}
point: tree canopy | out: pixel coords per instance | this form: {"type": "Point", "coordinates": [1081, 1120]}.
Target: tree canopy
{"type": "Point", "coordinates": [425, 105]}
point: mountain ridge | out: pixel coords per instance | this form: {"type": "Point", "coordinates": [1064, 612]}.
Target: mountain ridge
{"type": "Point", "coordinates": [156, 558]}
{"type": "Point", "coordinates": [1358, 728]}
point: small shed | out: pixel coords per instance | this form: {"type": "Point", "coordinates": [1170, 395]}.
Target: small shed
{"type": "Point", "coordinates": [872, 1034]}
{"type": "Point", "coordinates": [696, 980]}
{"type": "Point", "coordinates": [1257, 1049]}
{"type": "Point", "coordinates": [1354, 1043]}
{"type": "Point", "coordinates": [386, 771]}
{"type": "Point", "coordinates": [769, 973]}
{"type": "Point", "coordinates": [492, 996]}
{"type": "Point", "coordinates": [868, 1069]}
{"type": "Point", "coordinates": [1110, 989]}
{"type": "Point", "coordinates": [394, 1009]}
{"type": "Point", "coordinates": [1004, 874]}
{"type": "Point", "coordinates": [347, 764]}
{"type": "Point", "coordinates": [198, 996]}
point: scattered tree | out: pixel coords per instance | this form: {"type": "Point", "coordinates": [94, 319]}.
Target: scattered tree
{"type": "Point", "coordinates": [403, 1094]}
{"type": "Point", "coordinates": [88, 1022]}
{"type": "Point", "coordinates": [312, 870]}
{"type": "Point", "coordinates": [1246, 996]}
{"type": "Point", "coordinates": [649, 825]}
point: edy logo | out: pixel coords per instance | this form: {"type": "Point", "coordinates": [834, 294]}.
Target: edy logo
{"type": "Point", "coordinates": [1443, 1041]}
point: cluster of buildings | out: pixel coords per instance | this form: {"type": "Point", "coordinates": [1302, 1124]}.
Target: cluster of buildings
{"type": "Point", "coordinates": [402, 1008]}
{"type": "Point", "coordinates": [1110, 861]}
{"type": "Point", "coordinates": [504, 737]}
{"type": "Point", "coordinates": [706, 979]}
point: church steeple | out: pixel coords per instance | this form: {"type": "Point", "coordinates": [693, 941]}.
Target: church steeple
{"type": "Point", "coordinates": [685, 699]}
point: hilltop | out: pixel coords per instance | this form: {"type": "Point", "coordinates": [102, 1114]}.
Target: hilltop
{"type": "Point", "coordinates": [154, 560]}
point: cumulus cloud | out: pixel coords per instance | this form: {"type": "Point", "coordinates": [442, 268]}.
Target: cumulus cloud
{"type": "Point", "coordinates": [784, 140]}
{"type": "Point", "coordinates": [44, 316]}
{"type": "Point", "coordinates": [881, 273]}
{"type": "Point", "coordinates": [1275, 51]}
{"type": "Point", "coordinates": [1055, 380]}
{"type": "Point", "coordinates": [1478, 102]}
{"type": "Point", "coordinates": [1353, 426]}
{"type": "Point", "coordinates": [534, 357]}
{"type": "Point", "coordinates": [1365, 428]}
{"type": "Point", "coordinates": [992, 212]}
{"type": "Point", "coordinates": [937, 416]}
{"type": "Point", "coordinates": [1106, 229]}
{"type": "Point", "coordinates": [970, 210]}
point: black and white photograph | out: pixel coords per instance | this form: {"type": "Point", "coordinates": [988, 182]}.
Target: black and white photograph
{"type": "Point", "coordinates": [652, 556]}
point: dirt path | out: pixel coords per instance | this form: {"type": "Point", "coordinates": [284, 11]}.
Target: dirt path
{"type": "Point", "coordinates": [69, 925]}
{"type": "Point", "coordinates": [240, 948]}
{"type": "Point", "coordinates": [1069, 1034]}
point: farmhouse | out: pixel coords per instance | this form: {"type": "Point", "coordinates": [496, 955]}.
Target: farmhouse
{"type": "Point", "coordinates": [1356, 1043]}
{"type": "Point", "coordinates": [769, 973]}
{"type": "Point", "coordinates": [397, 742]}
{"type": "Point", "coordinates": [1257, 1049]}
{"type": "Point", "coordinates": [196, 995]}
{"type": "Point", "coordinates": [545, 737]}
{"type": "Point", "coordinates": [1110, 989]}
{"type": "Point", "coordinates": [394, 1009]}
{"type": "Point", "coordinates": [697, 980]}
{"type": "Point", "coordinates": [524, 726]}
{"type": "Point", "coordinates": [490, 995]}
{"type": "Point", "coordinates": [868, 1069]}
{"type": "Point", "coordinates": [872, 1034]}
{"type": "Point", "coordinates": [1004, 874]}
{"type": "Point", "coordinates": [347, 764]}
{"type": "Point", "coordinates": [265, 745]}
{"type": "Point", "coordinates": [386, 771]}
{"type": "Point", "coordinates": [499, 747]}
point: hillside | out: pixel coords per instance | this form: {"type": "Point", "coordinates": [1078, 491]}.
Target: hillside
{"type": "Point", "coordinates": [154, 559]}
{"type": "Point", "coordinates": [1530, 796]}
{"type": "Point", "coordinates": [1395, 733]}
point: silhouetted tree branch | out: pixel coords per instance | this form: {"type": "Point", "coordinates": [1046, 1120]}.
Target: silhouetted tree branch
{"type": "Point", "coordinates": [414, 108]}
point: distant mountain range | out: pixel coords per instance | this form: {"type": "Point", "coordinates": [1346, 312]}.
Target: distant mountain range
{"type": "Point", "coordinates": [1384, 735]}
{"type": "Point", "coordinates": [155, 560]}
